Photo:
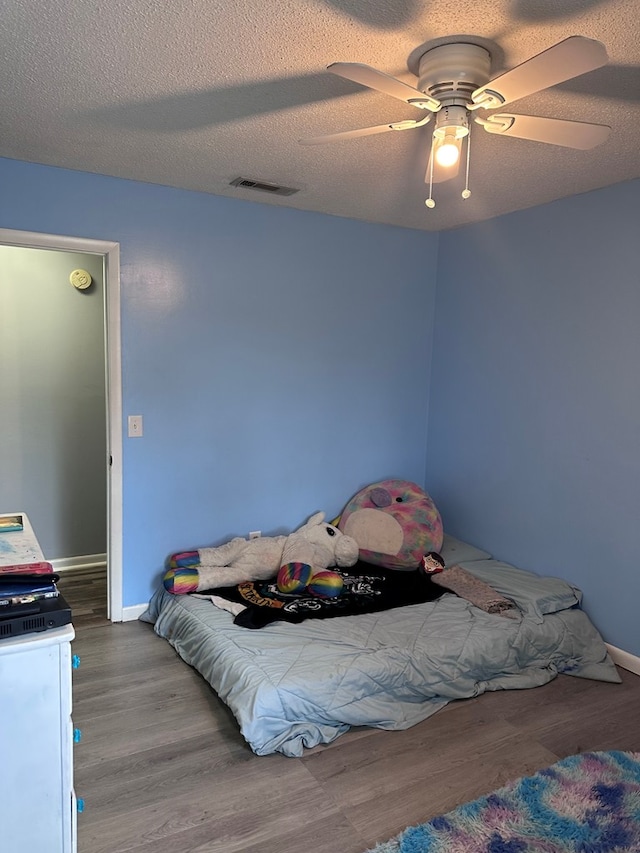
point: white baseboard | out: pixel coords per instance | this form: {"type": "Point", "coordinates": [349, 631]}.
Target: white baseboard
{"type": "Point", "coordinates": [624, 659]}
{"type": "Point", "coordinates": [129, 614]}
{"type": "Point", "coordinates": [76, 564]}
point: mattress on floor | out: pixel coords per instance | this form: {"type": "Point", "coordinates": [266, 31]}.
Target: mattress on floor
{"type": "Point", "coordinates": [293, 686]}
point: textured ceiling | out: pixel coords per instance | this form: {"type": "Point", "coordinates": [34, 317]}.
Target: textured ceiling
{"type": "Point", "coordinates": [194, 93]}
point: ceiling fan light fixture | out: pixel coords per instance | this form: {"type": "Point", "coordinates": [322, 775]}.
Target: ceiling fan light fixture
{"type": "Point", "coordinates": [452, 125]}
{"type": "Point", "coordinates": [447, 148]}
{"type": "Point", "coordinates": [453, 121]}
{"type": "Point", "coordinates": [445, 151]}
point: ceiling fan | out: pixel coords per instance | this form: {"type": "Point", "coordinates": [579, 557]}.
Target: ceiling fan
{"type": "Point", "coordinates": [454, 81]}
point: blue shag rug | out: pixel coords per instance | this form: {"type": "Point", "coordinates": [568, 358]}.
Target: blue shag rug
{"type": "Point", "coordinates": [587, 803]}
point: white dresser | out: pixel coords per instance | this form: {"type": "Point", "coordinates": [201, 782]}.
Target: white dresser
{"type": "Point", "coordinates": [36, 771]}
{"type": "Point", "coordinates": [36, 767]}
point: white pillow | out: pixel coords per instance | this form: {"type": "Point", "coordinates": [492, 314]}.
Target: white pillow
{"type": "Point", "coordinates": [455, 551]}
{"type": "Point", "coordinates": [534, 594]}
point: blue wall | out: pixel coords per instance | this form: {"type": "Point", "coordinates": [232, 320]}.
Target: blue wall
{"type": "Point", "coordinates": [534, 428]}
{"type": "Point", "coordinates": [280, 359]}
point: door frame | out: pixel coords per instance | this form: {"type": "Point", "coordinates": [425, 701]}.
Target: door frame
{"type": "Point", "coordinates": [110, 252]}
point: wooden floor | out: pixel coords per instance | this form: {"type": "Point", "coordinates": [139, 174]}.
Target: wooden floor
{"type": "Point", "coordinates": [163, 768]}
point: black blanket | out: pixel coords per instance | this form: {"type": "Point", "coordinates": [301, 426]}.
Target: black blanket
{"type": "Point", "coordinates": [367, 589]}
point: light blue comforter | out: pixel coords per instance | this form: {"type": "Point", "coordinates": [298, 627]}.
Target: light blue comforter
{"type": "Point", "coordinates": [295, 686]}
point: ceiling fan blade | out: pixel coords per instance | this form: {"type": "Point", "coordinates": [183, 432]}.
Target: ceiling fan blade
{"type": "Point", "coordinates": [365, 75]}
{"type": "Point", "coordinates": [569, 58]}
{"type": "Point", "coordinates": [570, 134]}
{"type": "Point", "coordinates": [364, 131]}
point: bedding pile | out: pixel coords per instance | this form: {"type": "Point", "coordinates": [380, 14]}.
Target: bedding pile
{"type": "Point", "coordinates": [366, 589]}
{"type": "Point", "coordinates": [293, 686]}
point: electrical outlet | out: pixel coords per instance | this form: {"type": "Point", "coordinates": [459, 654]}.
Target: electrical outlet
{"type": "Point", "coordinates": [255, 534]}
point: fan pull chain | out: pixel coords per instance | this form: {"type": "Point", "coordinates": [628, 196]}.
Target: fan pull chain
{"type": "Point", "coordinates": [430, 202]}
{"type": "Point", "coordinates": [466, 192]}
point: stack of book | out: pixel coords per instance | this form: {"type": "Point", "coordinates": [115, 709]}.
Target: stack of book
{"type": "Point", "coordinates": [11, 523]}
{"type": "Point", "coordinates": [26, 584]}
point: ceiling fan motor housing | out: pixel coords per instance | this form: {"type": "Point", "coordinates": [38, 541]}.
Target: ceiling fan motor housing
{"type": "Point", "coordinates": [452, 72]}
{"type": "Point", "coordinates": [452, 120]}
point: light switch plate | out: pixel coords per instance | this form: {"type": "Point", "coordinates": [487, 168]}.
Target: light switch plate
{"type": "Point", "coordinates": [135, 426]}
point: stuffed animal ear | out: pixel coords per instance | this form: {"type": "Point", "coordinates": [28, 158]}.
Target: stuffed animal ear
{"type": "Point", "coordinates": [314, 521]}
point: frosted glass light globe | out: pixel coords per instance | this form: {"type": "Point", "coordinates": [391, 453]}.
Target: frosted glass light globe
{"type": "Point", "coordinates": [447, 154]}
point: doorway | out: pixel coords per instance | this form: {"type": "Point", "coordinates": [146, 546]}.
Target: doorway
{"type": "Point", "coordinates": [106, 256]}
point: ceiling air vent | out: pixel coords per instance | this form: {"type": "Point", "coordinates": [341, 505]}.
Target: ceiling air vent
{"type": "Point", "coordinates": [263, 186]}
